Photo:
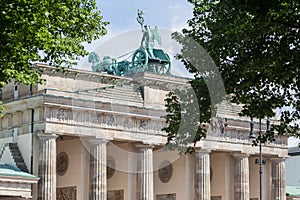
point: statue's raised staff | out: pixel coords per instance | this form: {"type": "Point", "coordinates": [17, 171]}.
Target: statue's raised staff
{"type": "Point", "coordinates": [140, 17]}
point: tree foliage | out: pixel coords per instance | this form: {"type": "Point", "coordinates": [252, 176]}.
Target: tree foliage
{"type": "Point", "coordinates": [186, 110]}
{"type": "Point", "coordinates": [256, 47]}
{"type": "Point", "coordinates": [50, 31]}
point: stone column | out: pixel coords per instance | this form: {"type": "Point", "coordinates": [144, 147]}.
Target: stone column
{"type": "Point", "coordinates": [98, 179]}
{"type": "Point", "coordinates": [47, 167]}
{"type": "Point", "coordinates": [241, 177]}
{"type": "Point", "coordinates": [145, 186]}
{"type": "Point", "coordinates": [202, 175]}
{"type": "Point", "coordinates": [189, 175]}
{"type": "Point", "coordinates": [278, 179]}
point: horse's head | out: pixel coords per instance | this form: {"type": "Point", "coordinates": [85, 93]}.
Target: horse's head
{"type": "Point", "coordinates": [93, 57]}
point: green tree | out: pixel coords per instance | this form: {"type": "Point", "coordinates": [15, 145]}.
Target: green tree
{"type": "Point", "coordinates": [256, 48]}
{"type": "Point", "coordinates": [49, 31]}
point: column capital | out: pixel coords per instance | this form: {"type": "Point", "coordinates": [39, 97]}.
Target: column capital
{"type": "Point", "coordinates": [145, 146]}
{"type": "Point", "coordinates": [96, 141]}
{"type": "Point", "coordinates": [202, 151]}
{"type": "Point", "coordinates": [278, 159]}
{"type": "Point", "coordinates": [240, 155]}
{"type": "Point", "coordinates": [47, 135]}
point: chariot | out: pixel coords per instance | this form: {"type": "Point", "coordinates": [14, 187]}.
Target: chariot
{"type": "Point", "coordinates": [159, 63]}
{"type": "Point", "coordinates": [145, 58]}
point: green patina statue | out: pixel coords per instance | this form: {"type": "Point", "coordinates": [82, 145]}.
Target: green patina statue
{"type": "Point", "coordinates": [148, 37]}
{"type": "Point", "coordinates": [145, 58]}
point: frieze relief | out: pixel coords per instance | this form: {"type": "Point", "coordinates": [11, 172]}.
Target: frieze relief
{"type": "Point", "coordinates": [229, 135]}
{"type": "Point", "coordinates": [61, 115]}
{"type": "Point", "coordinates": [217, 125]}
{"type": "Point", "coordinates": [241, 136]}
{"type": "Point", "coordinates": [105, 120]}
{"type": "Point", "coordinates": [217, 130]}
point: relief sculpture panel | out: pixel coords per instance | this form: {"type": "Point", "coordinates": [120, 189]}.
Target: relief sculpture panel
{"type": "Point", "coordinates": [216, 198]}
{"type": "Point", "coordinates": [115, 195]}
{"type": "Point", "coordinates": [66, 193]}
{"type": "Point", "coordinates": [166, 197]}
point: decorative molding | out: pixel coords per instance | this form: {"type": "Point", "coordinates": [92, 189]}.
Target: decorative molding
{"type": "Point", "coordinates": [62, 163]}
{"type": "Point", "coordinates": [165, 171]}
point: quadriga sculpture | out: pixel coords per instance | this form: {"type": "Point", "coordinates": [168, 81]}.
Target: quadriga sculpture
{"type": "Point", "coordinates": [145, 58]}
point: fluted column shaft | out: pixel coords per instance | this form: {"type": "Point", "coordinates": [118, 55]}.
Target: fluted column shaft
{"type": "Point", "coordinates": [241, 177]}
{"type": "Point", "coordinates": [278, 179]}
{"type": "Point", "coordinates": [47, 167]}
{"type": "Point", "coordinates": [145, 176]}
{"type": "Point", "coordinates": [98, 179]}
{"type": "Point", "coordinates": [202, 175]}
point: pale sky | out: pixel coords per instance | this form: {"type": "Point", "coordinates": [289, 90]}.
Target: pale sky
{"type": "Point", "coordinates": [167, 14]}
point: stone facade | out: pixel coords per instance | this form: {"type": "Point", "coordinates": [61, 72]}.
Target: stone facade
{"type": "Point", "coordinates": [91, 117]}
